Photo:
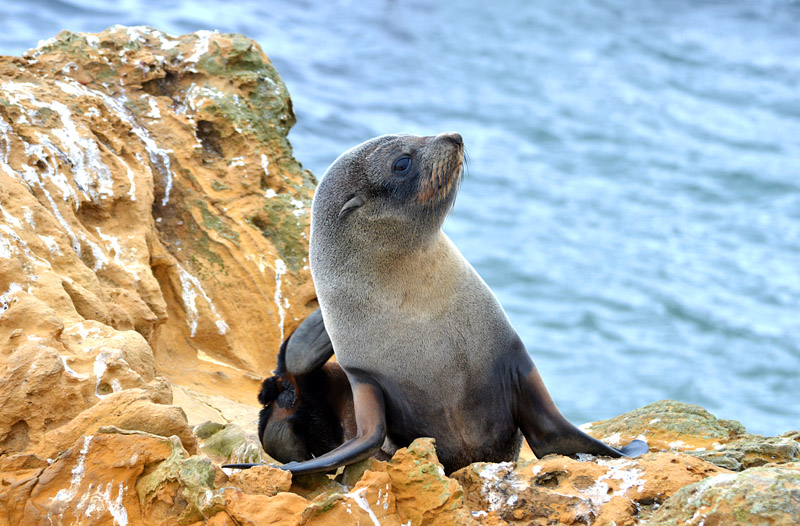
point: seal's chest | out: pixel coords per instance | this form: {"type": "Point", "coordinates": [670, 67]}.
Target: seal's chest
{"type": "Point", "coordinates": [419, 369]}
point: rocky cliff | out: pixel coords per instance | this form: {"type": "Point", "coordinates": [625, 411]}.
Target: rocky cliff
{"type": "Point", "coordinates": [153, 244]}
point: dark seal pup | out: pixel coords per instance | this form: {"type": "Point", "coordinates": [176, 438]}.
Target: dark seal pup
{"type": "Point", "coordinates": [426, 346]}
{"type": "Point", "coordinates": [308, 405]}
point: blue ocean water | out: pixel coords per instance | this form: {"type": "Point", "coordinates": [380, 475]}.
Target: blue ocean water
{"type": "Point", "coordinates": [633, 186]}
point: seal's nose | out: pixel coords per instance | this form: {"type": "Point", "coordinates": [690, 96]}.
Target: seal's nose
{"type": "Point", "coordinates": [453, 137]}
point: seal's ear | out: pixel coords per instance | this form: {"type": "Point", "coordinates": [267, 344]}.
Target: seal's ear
{"type": "Point", "coordinates": [351, 205]}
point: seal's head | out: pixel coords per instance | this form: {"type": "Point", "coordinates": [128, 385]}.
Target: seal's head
{"type": "Point", "coordinates": [392, 192]}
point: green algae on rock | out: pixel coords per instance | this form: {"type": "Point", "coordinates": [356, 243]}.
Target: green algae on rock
{"type": "Point", "coordinates": [231, 444]}
{"type": "Point", "coordinates": [141, 157]}
{"type": "Point", "coordinates": [753, 451]}
{"type": "Point", "coordinates": [678, 426]}
{"type": "Point", "coordinates": [181, 488]}
{"type": "Point", "coordinates": [667, 424]}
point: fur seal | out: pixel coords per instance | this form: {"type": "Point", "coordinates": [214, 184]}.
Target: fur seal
{"type": "Point", "coordinates": [308, 404]}
{"type": "Point", "coordinates": [308, 408]}
{"type": "Point", "coordinates": [426, 346]}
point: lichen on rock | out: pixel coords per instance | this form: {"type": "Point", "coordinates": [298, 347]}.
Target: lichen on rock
{"type": "Point", "coordinates": [131, 274]}
{"type": "Point", "coordinates": [768, 495]}
{"type": "Point", "coordinates": [669, 425]}
{"type": "Point", "coordinates": [181, 489]}
{"type": "Point", "coordinates": [132, 165]}
{"type": "Point", "coordinates": [230, 444]}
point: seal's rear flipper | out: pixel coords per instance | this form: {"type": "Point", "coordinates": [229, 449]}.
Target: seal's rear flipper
{"type": "Point", "coordinates": [242, 466]}
{"type": "Point", "coordinates": [636, 448]}
{"type": "Point", "coordinates": [309, 346]}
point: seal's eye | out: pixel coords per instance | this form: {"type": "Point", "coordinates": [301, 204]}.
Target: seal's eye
{"type": "Point", "coordinates": [402, 165]}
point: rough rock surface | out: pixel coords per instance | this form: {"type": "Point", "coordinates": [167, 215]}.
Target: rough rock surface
{"type": "Point", "coordinates": [757, 496]}
{"type": "Point", "coordinates": [676, 426]}
{"type": "Point", "coordinates": [93, 481]}
{"type": "Point", "coordinates": [412, 490]}
{"type": "Point", "coordinates": [152, 256]}
{"type": "Point", "coordinates": [153, 229]}
{"type": "Point", "coordinates": [563, 490]}
{"type": "Point", "coordinates": [116, 476]}
{"type": "Point", "coordinates": [152, 224]}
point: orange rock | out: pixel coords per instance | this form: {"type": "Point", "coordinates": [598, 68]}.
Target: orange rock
{"type": "Point", "coordinates": [371, 501]}
{"type": "Point", "coordinates": [154, 224]}
{"type": "Point", "coordinates": [262, 480]}
{"type": "Point", "coordinates": [410, 490]}
{"type": "Point", "coordinates": [153, 221]}
{"type": "Point", "coordinates": [424, 495]}
{"type": "Point", "coordinates": [130, 409]}
{"type": "Point", "coordinates": [92, 482]}
{"type": "Point", "coordinates": [312, 485]}
{"type": "Point", "coordinates": [220, 519]}
{"type": "Point", "coordinates": [568, 491]}
{"type": "Point", "coordinates": [283, 509]}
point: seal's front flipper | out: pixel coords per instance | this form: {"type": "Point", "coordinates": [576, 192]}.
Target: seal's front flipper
{"type": "Point", "coordinates": [309, 346]}
{"type": "Point", "coordinates": [546, 429]}
{"type": "Point", "coordinates": [371, 424]}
